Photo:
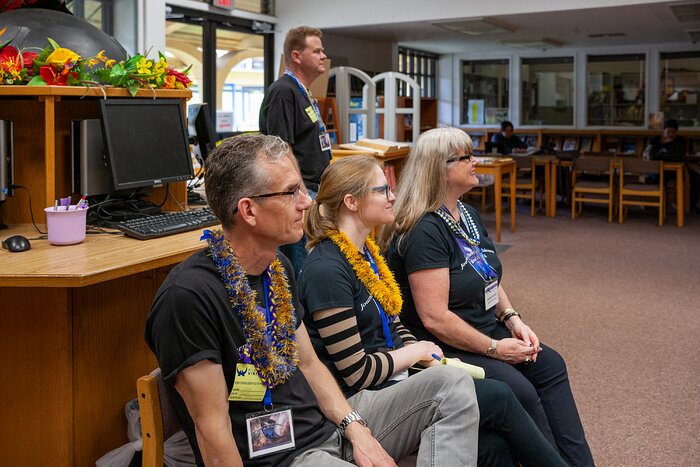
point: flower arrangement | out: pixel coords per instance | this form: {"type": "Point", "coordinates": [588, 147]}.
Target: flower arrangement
{"type": "Point", "coordinates": [13, 63]}
{"type": "Point", "coordinates": [59, 66]}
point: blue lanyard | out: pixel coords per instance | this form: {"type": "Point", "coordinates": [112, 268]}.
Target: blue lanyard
{"type": "Point", "coordinates": [382, 315]}
{"type": "Point", "coordinates": [269, 317]}
{"type": "Point", "coordinates": [309, 98]}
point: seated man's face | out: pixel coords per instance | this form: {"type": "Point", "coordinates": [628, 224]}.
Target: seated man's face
{"type": "Point", "coordinates": [670, 132]}
{"type": "Point", "coordinates": [508, 132]}
{"type": "Point", "coordinates": [280, 217]}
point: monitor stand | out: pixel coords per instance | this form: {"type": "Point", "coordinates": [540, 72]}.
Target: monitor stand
{"type": "Point", "coordinates": [195, 198]}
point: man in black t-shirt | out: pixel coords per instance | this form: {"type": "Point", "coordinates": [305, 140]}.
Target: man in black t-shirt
{"type": "Point", "coordinates": [290, 112]}
{"type": "Point", "coordinates": [237, 362]}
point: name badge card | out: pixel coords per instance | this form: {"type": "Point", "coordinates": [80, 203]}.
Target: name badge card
{"type": "Point", "coordinates": [247, 385]}
{"type": "Point", "coordinates": [325, 140]}
{"type": "Point", "coordinates": [270, 432]}
{"type": "Point", "coordinates": [311, 113]}
{"type": "Point", "coordinates": [491, 294]}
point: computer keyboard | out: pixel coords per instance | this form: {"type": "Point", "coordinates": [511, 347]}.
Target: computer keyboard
{"type": "Point", "coordinates": [168, 224]}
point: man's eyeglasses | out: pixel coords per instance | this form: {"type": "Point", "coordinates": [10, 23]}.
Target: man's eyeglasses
{"type": "Point", "coordinates": [293, 193]}
{"type": "Point", "coordinates": [385, 188]}
{"type": "Point", "coordinates": [466, 157]}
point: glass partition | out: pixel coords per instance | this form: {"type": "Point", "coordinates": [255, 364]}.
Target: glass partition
{"type": "Point", "coordinates": [547, 91]}
{"type": "Point", "coordinates": [680, 87]}
{"type": "Point", "coordinates": [484, 91]}
{"type": "Point", "coordinates": [615, 89]}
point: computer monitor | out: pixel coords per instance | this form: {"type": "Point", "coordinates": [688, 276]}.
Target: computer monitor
{"type": "Point", "coordinates": [200, 127]}
{"type": "Point", "coordinates": [6, 159]}
{"type": "Point", "coordinates": [146, 141]}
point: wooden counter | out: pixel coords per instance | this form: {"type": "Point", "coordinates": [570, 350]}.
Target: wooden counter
{"type": "Point", "coordinates": [71, 335]}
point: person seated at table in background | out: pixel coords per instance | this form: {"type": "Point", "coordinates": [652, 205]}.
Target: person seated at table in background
{"type": "Point", "coordinates": [353, 304]}
{"type": "Point", "coordinates": [450, 278]}
{"type": "Point", "coordinates": [237, 362]}
{"type": "Point", "coordinates": [506, 142]}
{"type": "Point", "coordinates": [668, 146]}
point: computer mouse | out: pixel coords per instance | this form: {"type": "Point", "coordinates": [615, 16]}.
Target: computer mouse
{"type": "Point", "coordinates": [16, 243]}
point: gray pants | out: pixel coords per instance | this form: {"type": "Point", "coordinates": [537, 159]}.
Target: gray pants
{"type": "Point", "coordinates": [434, 411]}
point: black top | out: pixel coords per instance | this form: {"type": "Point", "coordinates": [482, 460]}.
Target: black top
{"type": "Point", "coordinates": [671, 151]}
{"type": "Point", "coordinates": [191, 320]}
{"type": "Point", "coordinates": [506, 145]}
{"type": "Point", "coordinates": [431, 245]}
{"type": "Point", "coordinates": [283, 114]}
{"type": "Point", "coordinates": [328, 281]}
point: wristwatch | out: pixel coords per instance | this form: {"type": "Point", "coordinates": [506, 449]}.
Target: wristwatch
{"type": "Point", "coordinates": [349, 418]}
{"type": "Point", "coordinates": [491, 351]}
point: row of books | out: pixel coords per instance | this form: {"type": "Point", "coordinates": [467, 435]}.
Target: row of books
{"type": "Point", "coordinates": [390, 174]}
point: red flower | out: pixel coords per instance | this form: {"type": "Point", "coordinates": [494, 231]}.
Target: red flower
{"type": "Point", "coordinates": [55, 77]}
{"type": "Point", "coordinates": [11, 53]}
{"type": "Point", "coordinates": [179, 76]}
{"type": "Point", "coordinates": [28, 58]}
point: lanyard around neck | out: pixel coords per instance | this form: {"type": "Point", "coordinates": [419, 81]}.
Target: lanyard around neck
{"type": "Point", "coordinates": [305, 91]}
{"type": "Point", "coordinates": [382, 314]}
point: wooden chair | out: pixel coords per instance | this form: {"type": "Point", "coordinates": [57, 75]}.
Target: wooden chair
{"type": "Point", "coordinates": [634, 191]}
{"type": "Point", "coordinates": [592, 181]}
{"type": "Point", "coordinates": [158, 421]}
{"type": "Point", "coordinates": [526, 184]}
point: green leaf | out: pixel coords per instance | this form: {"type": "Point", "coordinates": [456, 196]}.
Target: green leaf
{"type": "Point", "coordinates": [131, 63]}
{"type": "Point", "coordinates": [133, 88]}
{"type": "Point", "coordinates": [4, 44]}
{"type": "Point", "coordinates": [37, 81]}
{"type": "Point", "coordinates": [53, 43]}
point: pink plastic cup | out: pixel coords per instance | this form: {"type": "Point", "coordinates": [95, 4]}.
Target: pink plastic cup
{"type": "Point", "coordinates": [65, 227]}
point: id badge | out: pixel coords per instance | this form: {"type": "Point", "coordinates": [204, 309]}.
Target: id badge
{"type": "Point", "coordinates": [311, 113]}
{"type": "Point", "coordinates": [247, 385]}
{"type": "Point", "coordinates": [270, 432]}
{"type": "Point", "coordinates": [325, 140]}
{"type": "Point", "coordinates": [490, 294]}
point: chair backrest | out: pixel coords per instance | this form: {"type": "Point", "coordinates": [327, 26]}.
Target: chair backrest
{"type": "Point", "coordinates": [598, 153]}
{"type": "Point", "coordinates": [566, 155]}
{"type": "Point", "coordinates": [593, 164]}
{"type": "Point", "coordinates": [633, 165]}
{"type": "Point", "coordinates": [158, 422]}
{"type": "Point", "coordinates": [523, 162]}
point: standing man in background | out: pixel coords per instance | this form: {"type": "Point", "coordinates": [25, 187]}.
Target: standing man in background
{"type": "Point", "coordinates": [290, 112]}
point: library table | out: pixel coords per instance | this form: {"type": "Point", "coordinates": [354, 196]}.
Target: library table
{"type": "Point", "coordinates": [72, 341]}
{"type": "Point", "coordinates": [497, 167]}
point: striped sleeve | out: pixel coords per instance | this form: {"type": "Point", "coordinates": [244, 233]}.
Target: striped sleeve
{"type": "Point", "coordinates": [341, 337]}
{"type": "Point", "coordinates": [404, 333]}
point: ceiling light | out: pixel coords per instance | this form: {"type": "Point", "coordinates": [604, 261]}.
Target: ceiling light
{"type": "Point", "coordinates": [686, 12]}
{"type": "Point", "coordinates": [544, 43]}
{"type": "Point", "coordinates": [476, 26]}
{"type": "Point", "coordinates": [694, 34]}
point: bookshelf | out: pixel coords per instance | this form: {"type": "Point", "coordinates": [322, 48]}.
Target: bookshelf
{"type": "Point", "coordinates": [404, 123]}
{"type": "Point", "coordinates": [630, 142]}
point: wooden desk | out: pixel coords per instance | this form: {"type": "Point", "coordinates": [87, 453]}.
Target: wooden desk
{"type": "Point", "coordinates": [72, 341]}
{"type": "Point", "coordinates": [497, 168]}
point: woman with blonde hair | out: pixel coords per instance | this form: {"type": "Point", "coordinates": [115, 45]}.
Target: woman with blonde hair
{"type": "Point", "coordinates": [353, 304]}
{"type": "Point", "coordinates": [450, 278]}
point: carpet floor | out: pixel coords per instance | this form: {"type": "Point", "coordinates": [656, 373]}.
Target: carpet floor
{"type": "Point", "coordinates": [620, 303]}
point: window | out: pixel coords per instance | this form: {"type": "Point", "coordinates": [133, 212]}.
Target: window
{"type": "Point", "coordinates": [420, 66]}
{"type": "Point", "coordinates": [680, 87]}
{"type": "Point", "coordinates": [254, 6]}
{"type": "Point", "coordinates": [229, 61]}
{"type": "Point", "coordinates": [615, 90]}
{"type": "Point", "coordinates": [484, 91]}
{"type": "Point", "coordinates": [547, 91]}
{"type": "Point", "coordinates": [116, 18]}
